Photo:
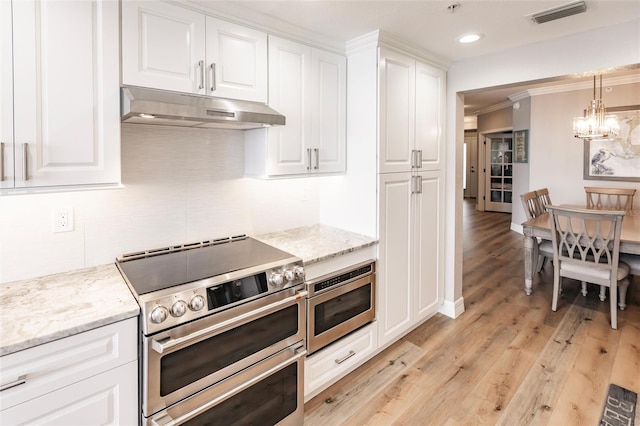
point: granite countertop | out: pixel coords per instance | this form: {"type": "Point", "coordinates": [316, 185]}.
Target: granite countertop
{"type": "Point", "coordinates": [40, 310]}
{"type": "Point", "coordinates": [317, 242]}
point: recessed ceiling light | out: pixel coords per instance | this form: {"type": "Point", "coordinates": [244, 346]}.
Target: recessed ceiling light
{"type": "Point", "coordinates": [469, 38]}
{"type": "Point", "coordinates": [146, 115]}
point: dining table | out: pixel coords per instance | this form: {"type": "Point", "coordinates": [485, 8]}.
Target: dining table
{"type": "Point", "coordinates": [540, 228]}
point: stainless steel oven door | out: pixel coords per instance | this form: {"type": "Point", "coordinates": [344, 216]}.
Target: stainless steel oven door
{"type": "Point", "coordinates": [269, 392]}
{"type": "Point", "coordinates": [339, 311]}
{"type": "Point", "coordinates": [186, 359]}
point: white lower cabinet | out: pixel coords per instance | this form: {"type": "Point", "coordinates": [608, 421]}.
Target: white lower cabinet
{"type": "Point", "coordinates": [88, 378]}
{"type": "Point", "coordinates": [332, 363]}
{"type": "Point", "coordinates": [109, 398]}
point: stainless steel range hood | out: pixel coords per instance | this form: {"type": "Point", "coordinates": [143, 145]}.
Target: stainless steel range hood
{"type": "Point", "coordinates": [151, 106]}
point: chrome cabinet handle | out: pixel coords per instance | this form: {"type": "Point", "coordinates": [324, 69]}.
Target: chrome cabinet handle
{"type": "Point", "coordinates": [1, 161]}
{"type": "Point", "coordinates": [344, 358]}
{"type": "Point", "coordinates": [201, 66]}
{"type": "Point", "coordinates": [416, 185]}
{"type": "Point", "coordinates": [416, 158]}
{"type": "Point", "coordinates": [317, 152]}
{"type": "Point", "coordinates": [25, 163]}
{"type": "Point", "coordinates": [21, 381]}
{"type": "Point", "coordinates": [212, 67]}
{"type": "Point", "coordinates": [308, 158]}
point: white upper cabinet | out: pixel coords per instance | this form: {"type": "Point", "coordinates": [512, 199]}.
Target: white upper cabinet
{"type": "Point", "coordinates": [237, 61]}
{"type": "Point", "coordinates": [65, 104]}
{"type": "Point", "coordinates": [328, 111]}
{"type": "Point", "coordinates": [168, 47]}
{"type": "Point", "coordinates": [307, 86]}
{"type": "Point", "coordinates": [411, 103]}
{"type": "Point", "coordinates": [163, 46]}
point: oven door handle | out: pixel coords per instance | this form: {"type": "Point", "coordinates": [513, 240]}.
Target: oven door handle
{"type": "Point", "coordinates": [165, 419]}
{"type": "Point", "coordinates": [161, 346]}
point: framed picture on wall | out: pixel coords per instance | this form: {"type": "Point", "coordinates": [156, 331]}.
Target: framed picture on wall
{"type": "Point", "coordinates": [521, 146]}
{"type": "Point", "coordinates": [617, 158]}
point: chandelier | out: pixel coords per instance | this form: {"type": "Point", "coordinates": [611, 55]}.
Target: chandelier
{"type": "Point", "coordinates": [595, 124]}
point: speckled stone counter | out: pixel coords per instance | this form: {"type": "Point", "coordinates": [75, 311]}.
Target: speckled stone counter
{"type": "Point", "coordinates": [40, 310]}
{"type": "Point", "coordinates": [318, 242]}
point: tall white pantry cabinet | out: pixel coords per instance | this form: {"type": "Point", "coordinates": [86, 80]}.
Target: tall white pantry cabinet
{"type": "Point", "coordinates": [410, 183]}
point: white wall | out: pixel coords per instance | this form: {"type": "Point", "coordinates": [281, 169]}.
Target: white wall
{"type": "Point", "coordinates": [600, 49]}
{"type": "Point", "coordinates": [181, 185]}
{"type": "Point", "coordinates": [556, 157]}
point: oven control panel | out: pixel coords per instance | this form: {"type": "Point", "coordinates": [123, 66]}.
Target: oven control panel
{"type": "Point", "coordinates": [187, 302]}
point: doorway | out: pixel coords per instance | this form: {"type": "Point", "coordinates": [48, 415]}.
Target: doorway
{"type": "Point", "coordinates": [498, 188]}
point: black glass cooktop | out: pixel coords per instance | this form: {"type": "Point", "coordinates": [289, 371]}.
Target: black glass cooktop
{"type": "Point", "coordinates": [149, 274]}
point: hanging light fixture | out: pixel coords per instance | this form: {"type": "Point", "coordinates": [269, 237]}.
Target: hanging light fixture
{"type": "Point", "coordinates": [595, 124]}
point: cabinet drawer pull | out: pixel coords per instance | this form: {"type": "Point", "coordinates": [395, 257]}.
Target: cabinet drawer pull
{"type": "Point", "coordinates": [21, 381]}
{"type": "Point", "coordinates": [308, 158]}
{"type": "Point", "coordinates": [317, 151]}
{"type": "Point", "coordinates": [1, 161]}
{"type": "Point", "coordinates": [344, 358]}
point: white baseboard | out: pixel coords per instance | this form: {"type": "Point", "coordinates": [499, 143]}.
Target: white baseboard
{"type": "Point", "coordinates": [452, 309]}
{"type": "Point", "coordinates": [517, 228]}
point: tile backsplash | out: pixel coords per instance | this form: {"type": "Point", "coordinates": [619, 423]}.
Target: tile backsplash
{"type": "Point", "coordinates": [180, 185]}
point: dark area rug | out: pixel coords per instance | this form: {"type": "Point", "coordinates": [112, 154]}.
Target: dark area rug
{"type": "Point", "coordinates": [619, 407]}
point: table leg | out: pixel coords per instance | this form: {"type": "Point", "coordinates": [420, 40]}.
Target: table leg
{"type": "Point", "coordinates": [530, 244]}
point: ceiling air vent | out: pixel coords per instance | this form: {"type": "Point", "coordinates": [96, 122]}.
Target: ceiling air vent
{"type": "Point", "coordinates": [562, 11]}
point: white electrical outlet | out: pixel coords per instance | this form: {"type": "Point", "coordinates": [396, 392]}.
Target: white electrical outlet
{"type": "Point", "coordinates": [62, 219]}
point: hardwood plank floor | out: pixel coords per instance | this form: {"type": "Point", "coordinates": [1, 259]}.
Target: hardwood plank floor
{"type": "Point", "coordinates": [507, 360]}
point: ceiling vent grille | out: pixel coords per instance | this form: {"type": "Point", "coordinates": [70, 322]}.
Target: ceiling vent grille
{"type": "Point", "coordinates": [559, 12]}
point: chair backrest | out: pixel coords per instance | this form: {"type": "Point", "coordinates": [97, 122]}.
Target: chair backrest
{"type": "Point", "coordinates": [532, 207]}
{"type": "Point", "coordinates": [544, 199]}
{"type": "Point", "coordinates": [609, 198]}
{"type": "Point", "coordinates": [586, 243]}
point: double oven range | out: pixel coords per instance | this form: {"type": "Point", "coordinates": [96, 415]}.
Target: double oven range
{"type": "Point", "coordinates": [222, 333]}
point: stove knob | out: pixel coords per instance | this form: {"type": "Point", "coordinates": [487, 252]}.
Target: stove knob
{"type": "Point", "coordinates": [196, 303]}
{"type": "Point", "coordinates": [158, 314]}
{"type": "Point", "coordinates": [289, 275]}
{"type": "Point", "coordinates": [299, 271]}
{"type": "Point", "coordinates": [179, 308]}
{"type": "Point", "coordinates": [276, 279]}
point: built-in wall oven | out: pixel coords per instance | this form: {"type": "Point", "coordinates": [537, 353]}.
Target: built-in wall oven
{"type": "Point", "coordinates": [339, 303]}
{"type": "Point", "coordinates": [222, 333]}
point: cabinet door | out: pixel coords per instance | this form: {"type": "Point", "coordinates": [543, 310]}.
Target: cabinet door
{"type": "Point", "coordinates": [430, 87]}
{"type": "Point", "coordinates": [329, 77]}
{"type": "Point", "coordinates": [394, 265]}
{"type": "Point", "coordinates": [66, 97]}
{"type": "Point", "coordinates": [236, 61]}
{"type": "Point", "coordinates": [428, 245]}
{"type": "Point", "coordinates": [109, 398]}
{"type": "Point", "coordinates": [163, 46]}
{"type": "Point", "coordinates": [289, 93]}
{"type": "Point", "coordinates": [397, 111]}
{"type": "Point", "coordinates": [6, 96]}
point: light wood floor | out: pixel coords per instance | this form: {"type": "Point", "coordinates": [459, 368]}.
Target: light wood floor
{"type": "Point", "coordinates": [508, 359]}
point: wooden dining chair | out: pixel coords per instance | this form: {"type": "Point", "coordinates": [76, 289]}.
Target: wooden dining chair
{"type": "Point", "coordinates": [544, 199]}
{"type": "Point", "coordinates": [586, 247]}
{"type": "Point", "coordinates": [609, 198]}
{"type": "Point", "coordinates": [543, 249]}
